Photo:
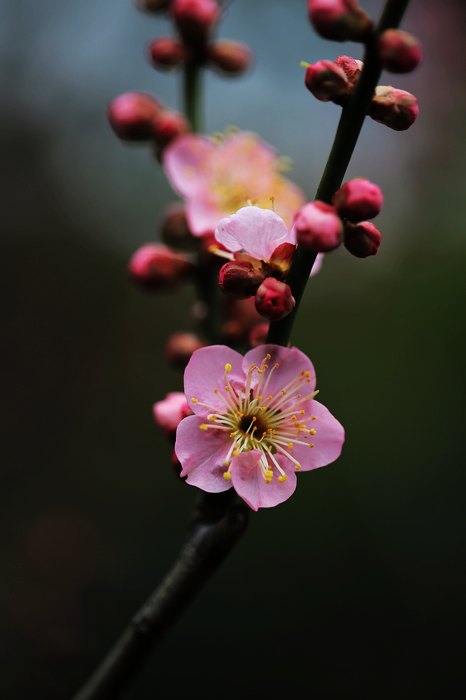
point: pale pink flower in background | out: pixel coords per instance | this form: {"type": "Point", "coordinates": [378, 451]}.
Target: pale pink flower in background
{"type": "Point", "coordinates": [169, 412]}
{"type": "Point", "coordinates": [216, 176]}
{"type": "Point", "coordinates": [255, 423]}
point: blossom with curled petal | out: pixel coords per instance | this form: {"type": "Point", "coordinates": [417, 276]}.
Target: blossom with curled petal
{"type": "Point", "coordinates": [255, 424]}
{"type": "Point", "coordinates": [216, 176]}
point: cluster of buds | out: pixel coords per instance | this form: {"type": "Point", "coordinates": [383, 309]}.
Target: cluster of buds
{"type": "Point", "coordinates": [195, 22]}
{"type": "Point", "coordinates": [138, 117]}
{"type": "Point", "coordinates": [322, 227]}
{"type": "Point", "coordinates": [398, 51]}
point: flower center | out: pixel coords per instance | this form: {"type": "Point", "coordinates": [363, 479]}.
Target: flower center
{"type": "Point", "coordinates": [258, 420]}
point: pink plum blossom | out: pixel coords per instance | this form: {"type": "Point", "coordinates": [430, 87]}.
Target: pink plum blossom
{"type": "Point", "coordinates": [255, 423]}
{"type": "Point", "coordinates": [216, 176]}
{"type": "Point", "coordinates": [258, 232]}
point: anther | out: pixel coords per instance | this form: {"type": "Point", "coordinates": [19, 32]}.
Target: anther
{"type": "Point", "coordinates": [282, 478]}
{"type": "Point", "coordinates": [313, 417]}
{"type": "Point", "coordinates": [227, 476]}
{"type": "Point", "coordinates": [194, 400]}
{"type": "Point", "coordinates": [227, 367]}
{"type": "Point", "coordinates": [311, 444]}
{"type": "Point", "coordinates": [203, 426]}
{"type": "Point", "coordinates": [297, 466]}
{"type": "Point", "coordinates": [312, 431]}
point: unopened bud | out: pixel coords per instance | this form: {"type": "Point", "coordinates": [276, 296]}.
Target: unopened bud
{"type": "Point", "coordinates": [170, 412]}
{"type": "Point", "coordinates": [340, 20]}
{"type": "Point", "coordinates": [358, 199]}
{"type": "Point", "coordinates": [180, 346]}
{"type": "Point", "coordinates": [258, 335]}
{"type": "Point", "coordinates": [362, 239]}
{"type": "Point", "coordinates": [174, 227]}
{"type": "Point", "coordinates": [132, 116]}
{"type": "Point", "coordinates": [195, 19]}
{"type": "Point", "coordinates": [400, 52]}
{"type": "Point", "coordinates": [327, 82]}
{"type": "Point", "coordinates": [154, 6]}
{"type": "Point", "coordinates": [240, 279]}
{"type": "Point", "coordinates": [281, 259]}
{"type": "Point", "coordinates": [167, 126]}
{"type": "Point", "coordinates": [395, 108]}
{"type": "Point", "coordinates": [166, 52]}
{"type": "Point", "coordinates": [274, 300]}
{"type": "Point", "coordinates": [157, 267]}
{"type": "Point", "coordinates": [230, 58]}
{"type": "Point", "coordinates": [241, 316]}
{"type": "Point", "coordinates": [351, 67]}
{"type": "Point", "coordinates": [318, 227]}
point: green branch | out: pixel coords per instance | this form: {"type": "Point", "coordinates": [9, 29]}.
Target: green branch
{"type": "Point", "coordinates": [349, 128]}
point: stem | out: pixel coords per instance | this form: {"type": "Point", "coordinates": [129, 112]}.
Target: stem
{"type": "Point", "coordinates": [216, 527]}
{"type": "Point", "coordinates": [349, 128]}
{"type": "Point", "coordinates": [192, 94]}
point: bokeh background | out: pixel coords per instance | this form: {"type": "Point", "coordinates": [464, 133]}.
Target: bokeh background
{"type": "Point", "coordinates": [355, 586]}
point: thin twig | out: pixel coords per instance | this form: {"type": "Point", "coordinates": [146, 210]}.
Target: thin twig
{"type": "Point", "coordinates": [217, 526]}
{"type": "Point", "coordinates": [349, 128]}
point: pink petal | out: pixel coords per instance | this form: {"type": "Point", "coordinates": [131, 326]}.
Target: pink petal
{"type": "Point", "coordinates": [291, 363]}
{"type": "Point", "coordinates": [202, 454]}
{"type": "Point", "coordinates": [185, 163]}
{"type": "Point", "coordinates": [249, 483]}
{"type": "Point", "coordinates": [317, 265]}
{"type": "Point", "coordinates": [204, 373]}
{"type": "Point", "coordinates": [328, 440]}
{"type": "Point", "coordinates": [203, 214]}
{"type": "Point", "coordinates": [255, 230]}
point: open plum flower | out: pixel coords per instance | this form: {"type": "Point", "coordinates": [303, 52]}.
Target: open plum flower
{"type": "Point", "coordinates": [259, 233]}
{"type": "Point", "coordinates": [217, 175]}
{"type": "Point", "coordinates": [255, 423]}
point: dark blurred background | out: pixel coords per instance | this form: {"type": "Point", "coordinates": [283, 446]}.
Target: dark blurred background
{"type": "Point", "coordinates": [355, 586]}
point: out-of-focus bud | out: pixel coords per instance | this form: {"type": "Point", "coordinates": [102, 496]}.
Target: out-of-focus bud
{"type": "Point", "coordinates": [358, 200]}
{"type": "Point", "coordinates": [174, 228]}
{"type": "Point", "coordinates": [327, 82]}
{"type": "Point", "coordinates": [167, 126]}
{"type": "Point", "coordinates": [180, 346]}
{"type": "Point", "coordinates": [241, 316]}
{"type": "Point", "coordinates": [132, 116]}
{"type": "Point", "coordinates": [362, 239]}
{"type": "Point", "coordinates": [240, 280]}
{"type": "Point", "coordinates": [395, 108]}
{"type": "Point", "coordinates": [154, 6]}
{"type": "Point", "coordinates": [340, 20]}
{"type": "Point", "coordinates": [170, 412]}
{"type": "Point", "coordinates": [318, 227]}
{"type": "Point", "coordinates": [351, 67]}
{"type": "Point", "coordinates": [166, 52]}
{"type": "Point", "coordinates": [258, 335]}
{"type": "Point", "coordinates": [274, 300]}
{"type": "Point", "coordinates": [281, 259]}
{"type": "Point", "coordinates": [195, 19]}
{"type": "Point", "coordinates": [400, 52]}
{"type": "Point", "coordinates": [157, 267]}
{"type": "Point", "coordinates": [230, 58]}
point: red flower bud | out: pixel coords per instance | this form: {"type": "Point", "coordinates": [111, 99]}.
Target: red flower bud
{"type": "Point", "coordinates": [258, 335]}
{"type": "Point", "coordinates": [339, 20]}
{"type": "Point", "coordinates": [241, 316]}
{"type": "Point", "coordinates": [154, 6]}
{"type": "Point", "coordinates": [362, 239]}
{"type": "Point", "coordinates": [351, 67]}
{"type": "Point", "coordinates": [170, 412]}
{"type": "Point", "coordinates": [281, 259]}
{"type": "Point", "coordinates": [327, 82]}
{"type": "Point", "coordinates": [358, 200]}
{"type": "Point", "coordinates": [180, 346]}
{"type": "Point", "coordinates": [167, 126]}
{"type": "Point", "coordinates": [174, 227]}
{"type": "Point", "coordinates": [240, 279]}
{"type": "Point", "coordinates": [400, 52]}
{"type": "Point", "coordinates": [132, 115]}
{"type": "Point", "coordinates": [274, 299]}
{"type": "Point", "coordinates": [318, 227]}
{"type": "Point", "coordinates": [166, 52]}
{"type": "Point", "coordinates": [230, 58]}
{"type": "Point", "coordinates": [195, 19]}
{"type": "Point", "coordinates": [157, 267]}
{"type": "Point", "coordinates": [395, 108]}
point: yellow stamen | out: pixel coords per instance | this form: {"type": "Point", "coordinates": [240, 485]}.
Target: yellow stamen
{"type": "Point", "coordinates": [227, 476]}
{"type": "Point", "coordinates": [194, 400]}
{"type": "Point", "coordinates": [203, 426]}
{"type": "Point", "coordinates": [227, 367]}
{"type": "Point", "coordinates": [312, 431]}
{"type": "Point", "coordinates": [282, 478]}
